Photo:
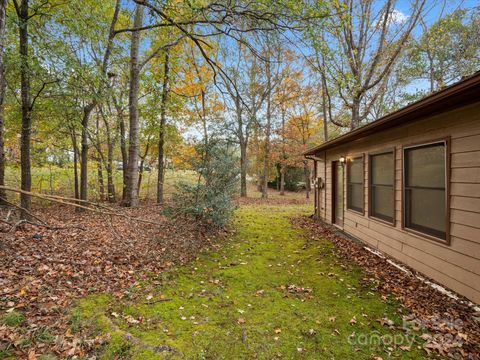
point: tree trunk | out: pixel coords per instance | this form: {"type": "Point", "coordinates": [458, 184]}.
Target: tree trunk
{"type": "Point", "coordinates": [3, 87]}
{"type": "Point", "coordinates": [258, 159]}
{"type": "Point", "coordinates": [110, 184]}
{"type": "Point", "coordinates": [73, 137]}
{"type": "Point", "coordinates": [87, 110]}
{"type": "Point", "coordinates": [243, 149]}
{"type": "Point", "coordinates": [101, 183]}
{"type": "Point", "coordinates": [284, 156]}
{"type": "Point", "coordinates": [142, 166]}
{"type": "Point", "coordinates": [355, 122]}
{"type": "Point", "coordinates": [26, 176]}
{"type": "Point", "coordinates": [282, 179]}
{"type": "Point", "coordinates": [324, 107]}
{"type": "Point", "coordinates": [131, 191]}
{"type": "Point", "coordinates": [123, 150]}
{"type": "Point", "coordinates": [266, 152]}
{"type": "Point", "coordinates": [204, 125]}
{"type": "Point", "coordinates": [243, 168]}
{"type": "Point", "coordinates": [161, 138]}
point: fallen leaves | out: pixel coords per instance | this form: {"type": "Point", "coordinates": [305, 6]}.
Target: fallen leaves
{"type": "Point", "coordinates": [43, 270]}
{"type": "Point", "coordinates": [131, 320]}
{"type": "Point", "coordinates": [297, 290]}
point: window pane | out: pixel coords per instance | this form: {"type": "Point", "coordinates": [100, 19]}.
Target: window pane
{"type": "Point", "coordinates": [382, 169]}
{"type": "Point", "coordinates": [356, 196]}
{"type": "Point", "coordinates": [339, 192]}
{"type": "Point", "coordinates": [425, 166]}
{"type": "Point", "coordinates": [426, 208]}
{"type": "Point", "coordinates": [355, 170]}
{"type": "Point", "coordinates": [425, 196]}
{"type": "Point", "coordinates": [382, 202]}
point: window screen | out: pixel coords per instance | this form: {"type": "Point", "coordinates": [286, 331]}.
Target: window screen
{"type": "Point", "coordinates": [355, 176]}
{"type": "Point", "coordinates": [382, 177]}
{"type": "Point", "coordinates": [424, 189]}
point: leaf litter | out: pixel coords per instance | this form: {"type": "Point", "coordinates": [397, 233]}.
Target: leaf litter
{"type": "Point", "coordinates": [43, 271]}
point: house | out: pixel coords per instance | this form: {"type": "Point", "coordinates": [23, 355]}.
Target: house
{"type": "Point", "coordinates": [408, 184]}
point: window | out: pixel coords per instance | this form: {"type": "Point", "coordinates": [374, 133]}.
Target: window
{"type": "Point", "coordinates": [425, 189]}
{"type": "Point", "coordinates": [382, 177]}
{"type": "Point", "coordinates": [355, 176]}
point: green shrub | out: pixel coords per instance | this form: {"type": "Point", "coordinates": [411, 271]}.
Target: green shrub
{"type": "Point", "coordinates": [210, 200]}
{"type": "Point", "coordinates": [294, 179]}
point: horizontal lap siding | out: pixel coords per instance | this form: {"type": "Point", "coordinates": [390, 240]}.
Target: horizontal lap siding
{"type": "Point", "coordinates": [457, 265]}
{"type": "Point", "coordinates": [465, 159]}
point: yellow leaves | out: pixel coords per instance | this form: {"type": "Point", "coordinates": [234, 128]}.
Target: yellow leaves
{"type": "Point", "coordinates": [184, 153]}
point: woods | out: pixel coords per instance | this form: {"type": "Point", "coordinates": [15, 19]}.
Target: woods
{"type": "Point", "coordinates": [134, 86]}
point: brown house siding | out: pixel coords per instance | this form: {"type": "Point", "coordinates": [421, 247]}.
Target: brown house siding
{"type": "Point", "coordinates": [455, 265]}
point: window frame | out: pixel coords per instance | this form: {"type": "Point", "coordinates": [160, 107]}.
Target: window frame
{"type": "Point", "coordinates": [446, 141]}
{"type": "Point", "coordinates": [348, 192]}
{"type": "Point", "coordinates": [392, 151]}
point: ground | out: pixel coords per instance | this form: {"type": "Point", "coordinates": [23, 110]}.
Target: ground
{"type": "Point", "coordinates": [269, 291]}
{"type": "Point", "coordinates": [276, 284]}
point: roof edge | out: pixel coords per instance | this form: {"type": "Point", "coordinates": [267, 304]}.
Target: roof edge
{"type": "Point", "coordinates": [464, 92]}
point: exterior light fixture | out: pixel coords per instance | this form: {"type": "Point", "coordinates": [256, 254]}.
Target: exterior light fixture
{"type": "Point", "coordinates": [342, 159]}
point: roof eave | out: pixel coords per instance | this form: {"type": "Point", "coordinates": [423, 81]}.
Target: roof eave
{"type": "Point", "coordinates": [459, 94]}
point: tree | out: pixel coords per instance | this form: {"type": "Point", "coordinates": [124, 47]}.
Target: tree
{"type": "Point", "coordinates": [286, 94]}
{"type": "Point", "coordinates": [90, 106]}
{"type": "Point", "coordinates": [22, 10]}
{"type": "Point", "coordinates": [3, 88]}
{"type": "Point", "coordinates": [131, 191]}
{"type": "Point", "coordinates": [302, 128]}
{"type": "Point", "coordinates": [446, 51]}
{"type": "Point", "coordinates": [363, 46]}
{"type": "Point", "coordinates": [239, 90]}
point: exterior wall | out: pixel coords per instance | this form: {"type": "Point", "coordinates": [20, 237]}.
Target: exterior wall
{"type": "Point", "coordinates": [455, 265]}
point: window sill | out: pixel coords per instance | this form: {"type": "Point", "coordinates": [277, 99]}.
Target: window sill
{"type": "Point", "coordinates": [381, 221]}
{"type": "Point", "coordinates": [424, 236]}
{"type": "Point", "coordinates": [357, 212]}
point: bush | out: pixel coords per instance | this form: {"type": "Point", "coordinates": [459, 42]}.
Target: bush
{"type": "Point", "coordinates": [210, 200]}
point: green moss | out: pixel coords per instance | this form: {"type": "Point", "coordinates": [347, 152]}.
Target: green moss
{"type": "Point", "coordinates": [13, 318]}
{"type": "Point", "coordinates": [232, 303]}
{"type": "Point", "coordinates": [118, 347]}
{"type": "Point", "coordinates": [48, 356]}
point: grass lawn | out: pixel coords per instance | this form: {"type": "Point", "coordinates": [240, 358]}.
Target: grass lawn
{"type": "Point", "coordinates": [234, 302]}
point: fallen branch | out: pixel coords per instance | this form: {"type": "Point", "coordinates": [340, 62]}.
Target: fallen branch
{"type": "Point", "coordinates": [41, 223]}
{"type": "Point", "coordinates": [25, 211]}
{"type": "Point", "coordinates": [75, 203]}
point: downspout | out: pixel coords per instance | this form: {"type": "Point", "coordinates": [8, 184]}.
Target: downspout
{"type": "Point", "coordinates": [317, 189]}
